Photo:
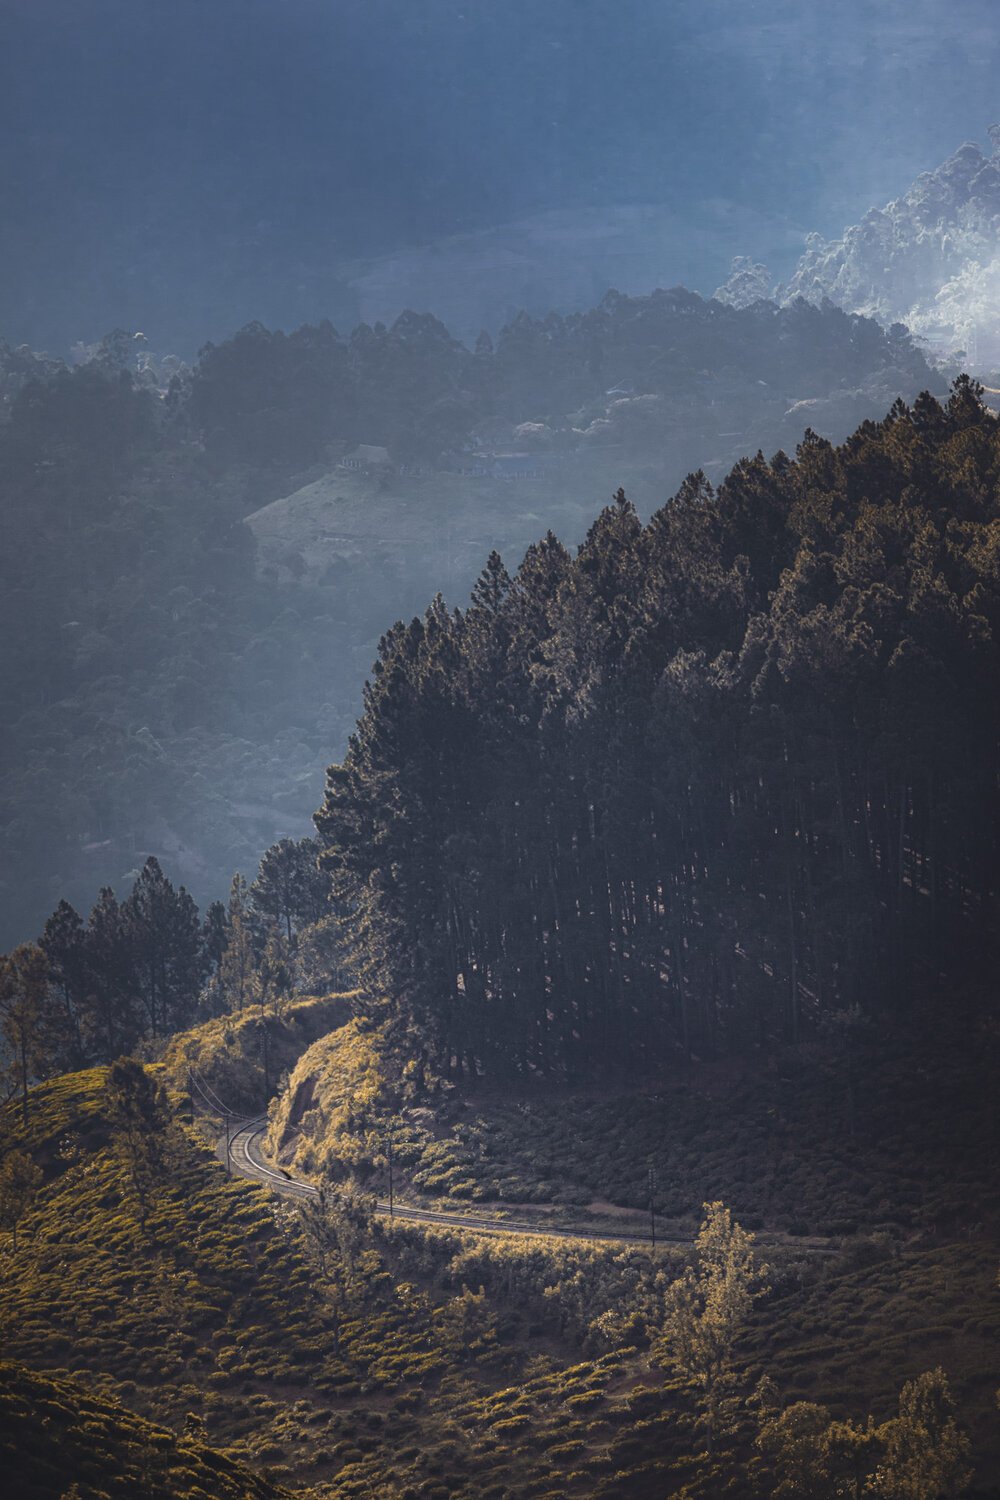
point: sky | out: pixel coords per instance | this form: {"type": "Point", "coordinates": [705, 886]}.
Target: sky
{"type": "Point", "coordinates": [185, 166]}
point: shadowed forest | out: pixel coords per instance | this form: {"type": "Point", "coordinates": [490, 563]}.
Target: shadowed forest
{"type": "Point", "coordinates": [707, 783]}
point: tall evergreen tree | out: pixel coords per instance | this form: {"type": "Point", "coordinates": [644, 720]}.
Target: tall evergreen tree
{"type": "Point", "coordinates": [112, 1021]}
{"type": "Point", "coordinates": [215, 935]}
{"type": "Point", "coordinates": [64, 944]}
{"type": "Point", "coordinates": [24, 1018]}
{"type": "Point", "coordinates": [167, 947]}
{"type": "Point", "coordinates": [238, 964]}
{"type": "Point", "coordinates": [290, 889]}
{"type": "Point", "coordinates": [138, 1113]}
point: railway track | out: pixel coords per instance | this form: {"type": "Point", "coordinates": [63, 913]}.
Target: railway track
{"type": "Point", "coordinates": [247, 1159]}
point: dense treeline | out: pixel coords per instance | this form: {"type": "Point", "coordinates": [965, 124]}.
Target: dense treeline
{"type": "Point", "coordinates": [143, 968]}
{"type": "Point", "coordinates": [270, 400]}
{"type": "Point", "coordinates": [712, 781]}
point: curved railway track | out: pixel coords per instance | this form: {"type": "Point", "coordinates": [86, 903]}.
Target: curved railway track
{"type": "Point", "coordinates": [248, 1160]}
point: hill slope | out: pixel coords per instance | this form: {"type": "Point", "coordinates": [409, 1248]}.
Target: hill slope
{"type": "Point", "coordinates": [369, 1358]}
{"type": "Point", "coordinates": [56, 1439]}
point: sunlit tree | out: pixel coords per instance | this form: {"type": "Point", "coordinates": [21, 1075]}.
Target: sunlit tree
{"type": "Point", "coordinates": [708, 1309]}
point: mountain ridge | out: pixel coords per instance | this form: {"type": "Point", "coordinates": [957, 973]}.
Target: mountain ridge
{"type": "Point", "coordinates": [929, 258]}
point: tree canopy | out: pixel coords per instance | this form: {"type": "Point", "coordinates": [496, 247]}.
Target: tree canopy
{"type": "Point", "coordinates": [705, 783]}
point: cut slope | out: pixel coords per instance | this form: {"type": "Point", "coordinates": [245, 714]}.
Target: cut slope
{"type": "Point", "coordinates": [227, 1055]}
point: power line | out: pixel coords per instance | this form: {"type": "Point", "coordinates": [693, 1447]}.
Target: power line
{"type": "Point", "coordinates": [214, 1101]}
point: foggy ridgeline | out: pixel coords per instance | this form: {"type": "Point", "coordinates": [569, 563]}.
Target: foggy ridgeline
{"type": "Point", "coordinates": [176, 681]}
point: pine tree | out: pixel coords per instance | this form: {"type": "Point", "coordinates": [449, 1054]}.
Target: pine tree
{"type": "Point", "coordinates": [24, 993]}
{"type": "Point", "coordinates": [274, 980]}
{"type": "Point", "coordinates": [215, 935]}
{"type": "Point", "coordinates": [64, 944]}
{"type": "Point", "coordinates": [167, 947]}
{"type": "Point", "coordinates": [137, 1111]}
{"type": "Point", "coordinates": [290, 889]}
{"type": "Point", "coordinates": [237, 966]}
{"type": "Point", "coordinates": [111, 1020]}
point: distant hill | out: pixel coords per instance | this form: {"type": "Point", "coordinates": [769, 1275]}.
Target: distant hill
{"type": "Point", "coordinates": [929, 259]}
{"type": "Point", "coordinates": [563, 258]}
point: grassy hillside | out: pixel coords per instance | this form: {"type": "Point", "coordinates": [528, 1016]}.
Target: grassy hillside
{"type": "Point", "coordinates": [168, 1314]}
{"type": "Point", "coordinates": [444, 523]}
{"type": "Point", "coordinates": [862, 1164]}
{"type": "Point", "coordinates": [334, 1361]}
{"type": "Point", "coordinates": [60, 1441]}
{"type": "Point", "coordinates": [354, 1357]}
{"type": "Point", "coordinates": [853, 1337]}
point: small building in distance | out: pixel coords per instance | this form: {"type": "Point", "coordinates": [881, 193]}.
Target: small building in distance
{"type": "Point", "coordinates": [367, 458]}
{"type": "Point", "coordinates": [510, 467]}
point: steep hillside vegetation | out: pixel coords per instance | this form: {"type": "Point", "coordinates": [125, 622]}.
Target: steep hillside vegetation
{"type": "Point", "coordinates": [58, 1440]}
{"type": "Point", "coordinates": [367, 1357]}
{"type": "Point", "coordinates": [314, 1350]}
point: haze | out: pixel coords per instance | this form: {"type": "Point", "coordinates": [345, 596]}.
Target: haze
{"type": "Point", "coordinates": [184, 168]}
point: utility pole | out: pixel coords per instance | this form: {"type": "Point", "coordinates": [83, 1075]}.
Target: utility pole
{"type": "Point", "coordinates": [652, 1209]}
{"type": "Point", "coordinates": [263, 1042]}
{"type": "Point", "coordinates": [229, 1147]}
{"type": "Point", "coordinates": [388, 1152]}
